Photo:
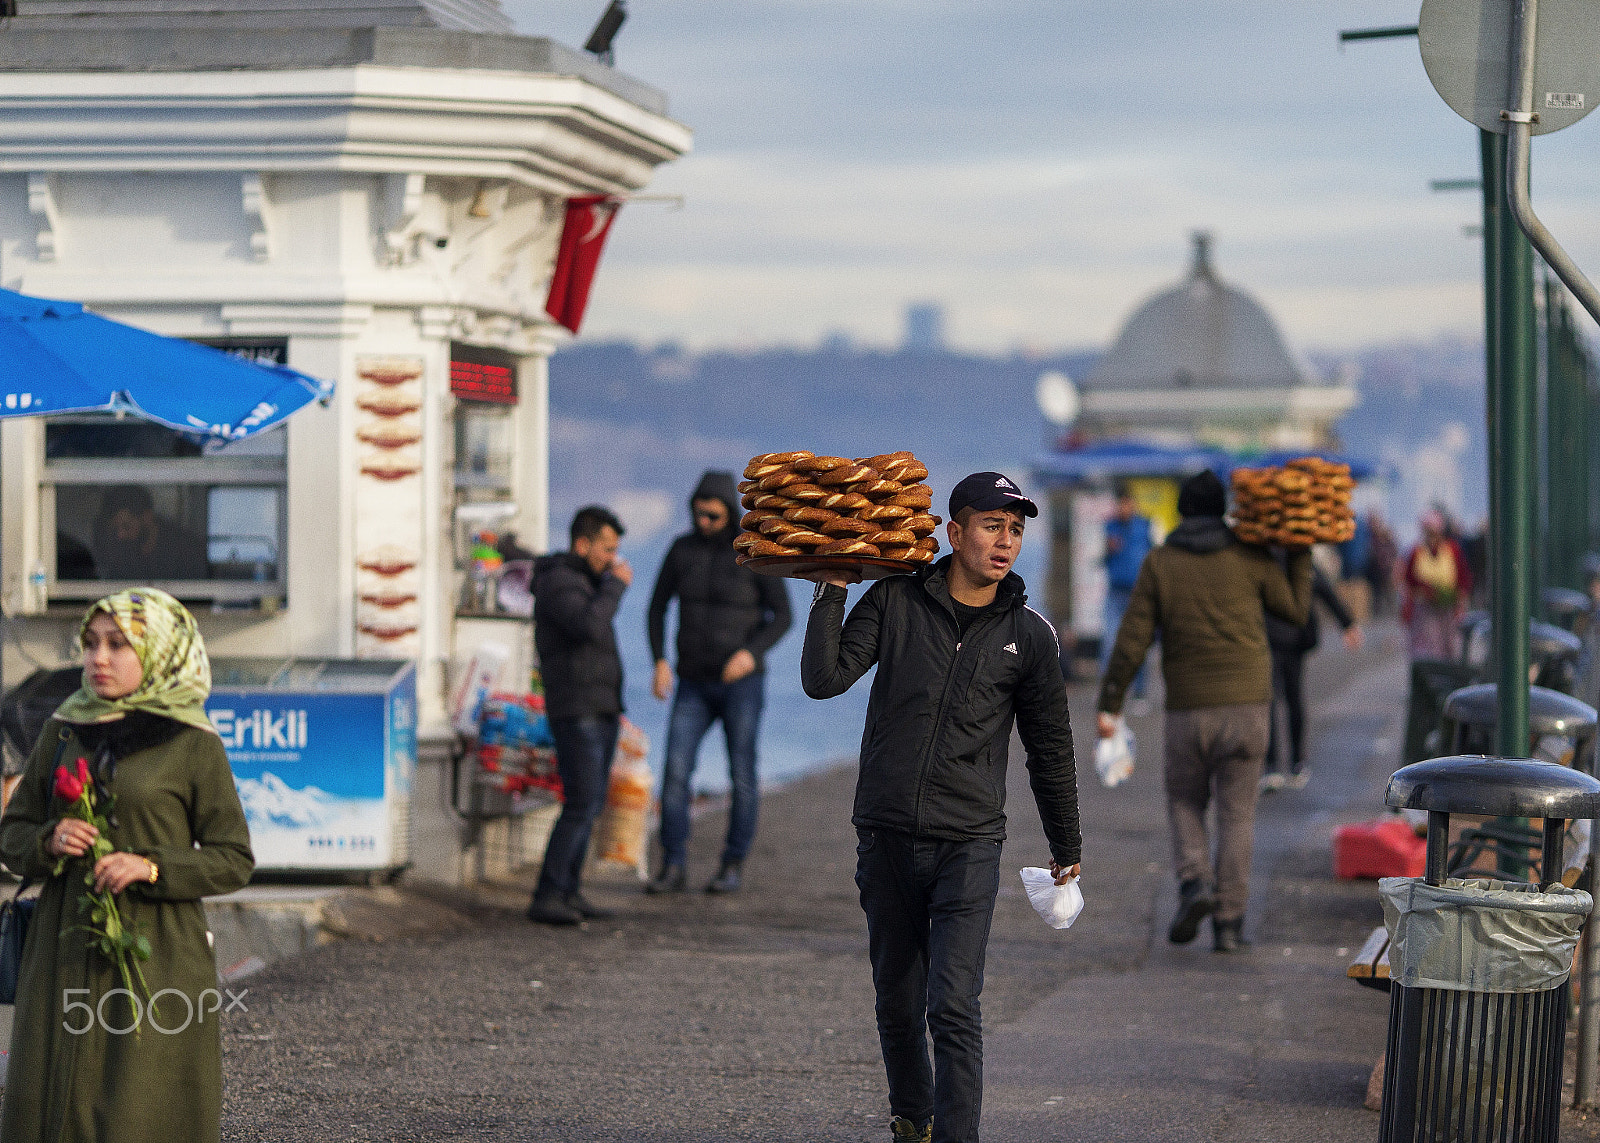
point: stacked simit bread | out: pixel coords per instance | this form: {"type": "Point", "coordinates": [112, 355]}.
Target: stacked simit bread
{"type": "Point", "coordinates": [801, 504]}
{"type": "Point", "coordinates": [1307, 501]}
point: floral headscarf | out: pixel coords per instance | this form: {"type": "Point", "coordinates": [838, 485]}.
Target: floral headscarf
{"type": "Point", "coordinates": [177, 674]}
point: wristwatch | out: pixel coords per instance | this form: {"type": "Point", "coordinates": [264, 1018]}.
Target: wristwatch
{"type": "Point", "coordinates": [155, 871]}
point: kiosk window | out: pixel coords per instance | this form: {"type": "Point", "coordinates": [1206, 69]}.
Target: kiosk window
{"type": "Point", "coordinates": [484, 443]}
{"type": "Point", "coordinates": [134, 502]}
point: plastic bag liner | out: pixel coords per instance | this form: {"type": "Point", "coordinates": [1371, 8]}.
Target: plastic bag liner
{"type": "Point", "coordinates": [1481, 935]}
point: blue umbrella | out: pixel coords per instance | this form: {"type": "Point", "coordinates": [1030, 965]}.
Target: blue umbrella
{"type": "Point", "coordinates": [57, 358]}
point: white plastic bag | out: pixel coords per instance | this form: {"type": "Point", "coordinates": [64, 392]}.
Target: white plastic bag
{"type": "Point", "coordinates": [1113, 756]}
{"type": "Point", "coordinates": [1058, 905]}
{"type": "Point", "coordinates": [480, 677]}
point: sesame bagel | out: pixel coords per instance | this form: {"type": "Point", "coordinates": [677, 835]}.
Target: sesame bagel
{"type": "Point", "coordinates": [848, 548]}
{"type": "Point", "coordinates": [820, 463]}
{"type": "Point", "coordinates": [847, 527]}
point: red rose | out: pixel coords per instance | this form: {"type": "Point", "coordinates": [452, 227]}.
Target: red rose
{"type": "Point", "coordinates": [83, 772]}
{"type": "Point", "coordinates": [68, 787]}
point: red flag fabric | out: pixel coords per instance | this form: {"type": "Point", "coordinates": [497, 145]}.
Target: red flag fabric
{"type": "Point", "coordinates": [583, 236]}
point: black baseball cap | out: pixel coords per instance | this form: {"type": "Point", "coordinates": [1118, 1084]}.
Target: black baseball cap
{"type": "Point", "coordinates": [986, 491]}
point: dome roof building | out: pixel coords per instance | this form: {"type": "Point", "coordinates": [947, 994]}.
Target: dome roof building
{"type": "Point", "coordinates": [1204, 361]}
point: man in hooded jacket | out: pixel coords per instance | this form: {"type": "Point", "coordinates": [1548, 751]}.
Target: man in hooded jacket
{"type": "Point", "coordinates": [1206, 593]}
{"type": "Point", "coordinates": [728, 619]}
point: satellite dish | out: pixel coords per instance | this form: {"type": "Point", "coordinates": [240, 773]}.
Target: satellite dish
{"type": "Point", "coordinates": [1057, 398]}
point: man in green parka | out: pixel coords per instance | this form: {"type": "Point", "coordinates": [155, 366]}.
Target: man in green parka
{"type": "Point", "coordinates": [1206, 594]}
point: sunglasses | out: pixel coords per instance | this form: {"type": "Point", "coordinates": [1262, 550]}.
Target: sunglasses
{"type": "Point", "coordinates": [701, 514]}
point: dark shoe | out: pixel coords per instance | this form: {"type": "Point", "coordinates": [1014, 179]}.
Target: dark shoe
{"type": "Point", "coordinates": [549, 911]}
{"type": "Point", "coordinates": [671, 879]}
{"type": "Point", "coordinates": [727, 879]}
{"type": "Point", "coordinates": [1195, 902]}
{"type": "Point", "coordinates": [903, 1128]}
{"type": "Point", "coordinates": [586, 908]}
{"type": "Point", "coordinates": [1228, 936]}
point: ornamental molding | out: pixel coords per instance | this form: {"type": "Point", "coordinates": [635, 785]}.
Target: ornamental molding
{"type": "Point", "coordinates": [257, 210]}
{"type": "Point", "coordinates": [557, 134]}
{"type": "Point", "coordinates": [42, 205]}
{"type": "Point", "coordinates": [1166, 404]}
{"type": "Point", "coordinates": [295, 320]}
{"type": "Point", "coordinates": [402, 206]}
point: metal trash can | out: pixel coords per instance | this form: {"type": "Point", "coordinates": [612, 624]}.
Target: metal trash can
{"type": "Point", "coordinates": [1479, 968]}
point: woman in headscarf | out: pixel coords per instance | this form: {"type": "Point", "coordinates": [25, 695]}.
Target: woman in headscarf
{"type": "Point", "coordinates": [1438, 583]}
{"type": "Point", "coordinates": [77, 1070]}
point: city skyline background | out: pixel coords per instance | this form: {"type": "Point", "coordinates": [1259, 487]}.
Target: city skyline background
{"type": "Point", "coordinates": [1036, 170]}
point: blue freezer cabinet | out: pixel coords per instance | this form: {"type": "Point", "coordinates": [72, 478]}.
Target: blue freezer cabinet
{"type": "Point", "coordinates": [323, 754]}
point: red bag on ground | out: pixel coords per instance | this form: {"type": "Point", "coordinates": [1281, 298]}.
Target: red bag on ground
{"type": "Point", "coordinates": [1387, 847]}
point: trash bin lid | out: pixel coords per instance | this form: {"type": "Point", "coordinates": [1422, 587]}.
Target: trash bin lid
{"type": "Point", "coordinates": [1549, 712]}
{"type": "Point", "coordinates": [1563, 601]}
{"type": "Point", "coordinates": [1547, 641]}
{"type": "Point", "coordinates": [1501, 787]}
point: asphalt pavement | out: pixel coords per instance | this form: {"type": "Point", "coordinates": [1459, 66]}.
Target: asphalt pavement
{"type": "Point", "coordinates": [704, 1019]}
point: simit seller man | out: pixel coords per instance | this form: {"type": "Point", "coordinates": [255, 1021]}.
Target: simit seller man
{"type": "Point", "coordinates": [728, 618]}
{"type": "Point", "coordinates": [1206, 594]}
{"type": "Point", "coordinates": [960, 657]}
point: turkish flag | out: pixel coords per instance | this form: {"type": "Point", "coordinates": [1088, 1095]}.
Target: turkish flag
{"type": "Point", "coordinates": [583, 236]}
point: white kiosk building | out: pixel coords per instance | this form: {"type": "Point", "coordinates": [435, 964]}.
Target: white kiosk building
{"type": "Point", "coordinates": [373, 192]}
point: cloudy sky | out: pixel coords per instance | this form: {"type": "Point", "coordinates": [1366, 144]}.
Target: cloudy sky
{"type": "Point", "coordinates": [1036, 167]}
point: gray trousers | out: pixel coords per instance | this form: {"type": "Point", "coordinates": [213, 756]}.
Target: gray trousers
{"type": "Point", "coordinates": [1216, 751]}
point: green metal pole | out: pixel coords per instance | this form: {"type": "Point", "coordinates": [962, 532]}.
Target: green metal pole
{"type": "Point", "coordinates": [1493, 194]}
{"type": "Point", "coordinates": [1511, 384]}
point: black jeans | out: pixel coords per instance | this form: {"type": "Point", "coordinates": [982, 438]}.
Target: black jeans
{"type": "Point", "coordinates": [584, 748]}
{"type": "Point", "coordinates": [1289, 686]}
{"type": "Point", "coordinates": [928, 904]}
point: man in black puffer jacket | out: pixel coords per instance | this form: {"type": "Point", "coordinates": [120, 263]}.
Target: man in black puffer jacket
{"type": "Point", "coordinates": [728, 619]}
{"type": "Point", "coordinates": [960, 658]}
{"type": "Point", "coordinates": [575, 598]}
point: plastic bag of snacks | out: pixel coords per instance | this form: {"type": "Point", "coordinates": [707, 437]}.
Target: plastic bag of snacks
{"type": "Point", "coordinates": [622, 834]}
{"type": "Point", "coordinates": [514, 720]}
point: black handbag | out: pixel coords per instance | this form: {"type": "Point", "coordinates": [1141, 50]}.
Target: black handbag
{"type": "Point", "coordinates": [15, 916]}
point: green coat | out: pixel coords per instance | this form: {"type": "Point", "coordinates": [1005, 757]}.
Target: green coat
{"type": "Point", "coordinates": [175, 804]}
{"type": "Point", "coordinates": [1209, 608]}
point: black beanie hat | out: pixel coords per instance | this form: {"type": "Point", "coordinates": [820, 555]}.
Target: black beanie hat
{"type": "Point", "coordinates": [1202, 495]}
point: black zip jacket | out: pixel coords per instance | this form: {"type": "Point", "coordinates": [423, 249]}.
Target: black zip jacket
{"type": "Point", "coordinates": [722, 607]}
{"type": "Point", "coordinates": [1286, 637]}
{"type": "Point", "coordinates": [578, 659]}
{"type": "Point", "coordinates": [934, 751]}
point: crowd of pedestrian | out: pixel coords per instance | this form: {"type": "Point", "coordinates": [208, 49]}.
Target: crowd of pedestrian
{"type": "Point", "coordinates": [960, 660]}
